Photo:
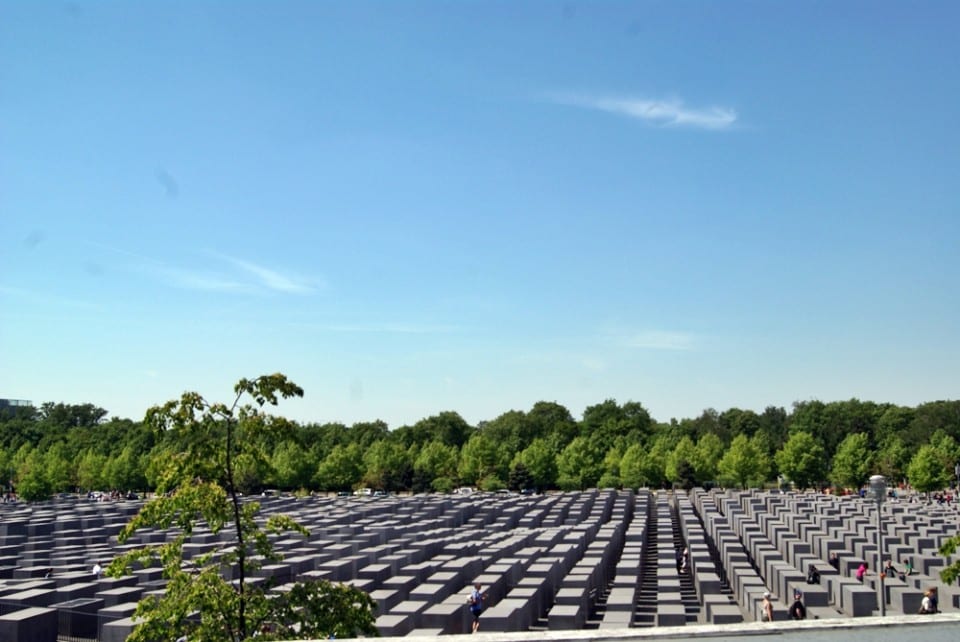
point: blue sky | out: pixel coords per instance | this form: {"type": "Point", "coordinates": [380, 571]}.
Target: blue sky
{"type": "Point", "coordinates": [411, 207]}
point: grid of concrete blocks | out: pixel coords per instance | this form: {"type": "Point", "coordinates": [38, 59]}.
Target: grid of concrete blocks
{"type": "Point", "coordinates": [601, 559]}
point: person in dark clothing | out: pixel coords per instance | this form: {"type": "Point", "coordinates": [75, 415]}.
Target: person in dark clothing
{"type": "Point", "coordinates": [797, 610]}
{"type": "Point", "coordinates": [889, 570]}
{"type": "Point", "coordinates": [835, 562]}
{"type": "Point", "coordinates": [930, 603]}
{"type": "Point", "coordinates": [813, 575]}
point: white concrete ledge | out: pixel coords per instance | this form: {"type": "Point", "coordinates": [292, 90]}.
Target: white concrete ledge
{"type": "Point", "coordinates": [943, 627]}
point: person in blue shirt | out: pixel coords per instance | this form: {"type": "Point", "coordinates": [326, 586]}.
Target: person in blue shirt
{"type": "Point", "coordinates": [475, 601]}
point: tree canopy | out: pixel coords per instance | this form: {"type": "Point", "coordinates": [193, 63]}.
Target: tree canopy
{"type": "Point", "coordinates": [80, 448]}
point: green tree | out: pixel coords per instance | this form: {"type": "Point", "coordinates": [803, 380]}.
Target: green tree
{"type": "Point", "coordinates": [199, 486]}
{"type": "Point", "coordinates": [893, 422]}
{"type": "Point", "coordinates": [32, 482]}
{"type": "Point", "coordinates": [437, 459]}
{"type": "Point", "coordinates": [680, 468]}
{"type": "Point", "coordinates": [744, 464]}
{"type": "Point", "coordinates": [852, 462]}
{"type": "Point", "coordinates": [801, 460]}
{"type": "Point", "coordinates": [606, 422]}
{"type": "Point", "coordinates": [291, 465]}
{"type": "Point", "coordinates": [90, 470]}
{"type": "Point", "coordinates": [59, 470]}
{"type": "Point", "coordinates": [520, 477]}
{"type": "Point", "coordinates": [553, 422]}
{"type": "Point", "coordinates": [541, 461]}
{"type": "Point", "coordinates": [654, 461]}
{"type": "Point", "coordinates": [342, 468]}
{"type": "Point", "coordinates": [631, 467]}
{"type": "Point", "coordinates": [707, 458]}
{"type": "Point", "coordinates": [950, 574]}
{"type": "Point", "coordinates": [508, 429]}
{"type": "Point", "coordinates": [892, 457]}
{"type": "Point", "coordinates": [479, 458]}
{"type": "Point", "coordinates": [947, 446]}
{"type": "Point", "coordinates": [580, 465]}
{"type": "Point", "coordinates": [773, 424]}
{"type": "Point", "coordinates": [6, 467]}
{"type": "Point", "coordinates": [610, 477]}
{"type": "Point", "coordinates": [492, 483]}
{"type": "Point", "coordinates": [386, 465]}
{"type": "Point", "coordinates": [125, 471]}
{"type": "Point", "coordinates": [928, 471]}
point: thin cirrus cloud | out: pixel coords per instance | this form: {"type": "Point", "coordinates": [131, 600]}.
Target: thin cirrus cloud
{"type": "Point", "coordinates": [198, 280]}
{"type": "Point", "coordinates": [667, 113]}
{"type": "Point", "coordinates": [241, 277]}
{"type": "Point", "coordinates": [269, 278]}
{"type": "Point", "coordinates": [232, 275]}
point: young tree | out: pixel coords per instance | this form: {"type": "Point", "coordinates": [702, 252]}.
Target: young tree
{"type": "Point", "coordinates": [610, 476]}
{"type": "Point", "coordinates": [291, 465]}
{"type": "Point", "coordinates": [801, 460]}
{"type": "Point", "coordinates": [386, 464]}
{"type": "Point", "coordinates": [541, 460]}
{"type": "Point", "coordinates": [852, 462]}
{"type": "Point", "coordinates": [928, 471]}
{"type": "Point", "coordinates": [653, 464]}
{"type": "Point", "coordinates": [60, 472]}
{"type": "Point", "coordinates": [579, 465]}
{"type": "Point", "coordinates": [893, 457]}
{"type": "Point", "coordinates": [32, 482]}
{"type": "Point", "coordinates": [680, 463]}
{"type": "Point", "coordinates": [479, 459]}
{"type": "Point", "coordinates": [743, 464]}
{"type": "Point", "coordinates": [435, 460]}
{"type": "Point", "coordinates": [90, 470]}
{"type": "Point", "coordinates": [124, 471]}
{"type": "Point", "coordinates": [342, 468]}
{"type": "Point", "coordinates": [199, 485]}
{"type": "Point", "coordinates": [707, 457]}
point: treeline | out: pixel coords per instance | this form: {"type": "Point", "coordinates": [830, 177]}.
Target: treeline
{"type": "Point", "coordinates": [64, 448]}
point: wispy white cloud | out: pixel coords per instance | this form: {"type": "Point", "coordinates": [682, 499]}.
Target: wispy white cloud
{"type": "Point", "coordinates": [238, 275]}
{"type": "Point", "coordinates": [198, 280]}
{"type": "Point", "coordinates": [270, 278]}
{"type": "Point", "coordinates": [668, 113]}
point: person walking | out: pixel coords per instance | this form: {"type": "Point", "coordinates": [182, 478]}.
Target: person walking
{"type": "Point", "coordinates": [475, 601]}
{"type": "Point", "coordinates": [766, 608]}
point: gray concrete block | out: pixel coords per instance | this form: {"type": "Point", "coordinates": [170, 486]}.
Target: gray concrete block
{"type": "Point", "coordinates": [389, 625]}
{"type": "Point", "coordinates": [565, 617]}
{"type": "Point", "coordinates": [33, 624]}
{"type": "Point", "coordinates": [857, 600]}
{"type": "Point", "coordinates": [670, 614]}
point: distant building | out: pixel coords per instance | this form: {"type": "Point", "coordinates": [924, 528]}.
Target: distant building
{"type": "Point", "coordinates": [14, 403]}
